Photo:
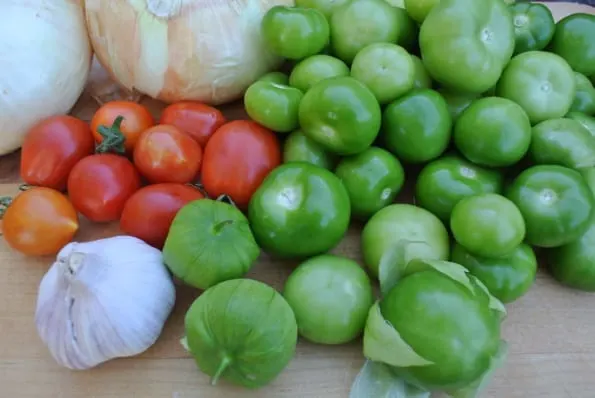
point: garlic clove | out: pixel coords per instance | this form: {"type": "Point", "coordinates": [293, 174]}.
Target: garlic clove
{"type": "Point", "coordinates": [104, 299]}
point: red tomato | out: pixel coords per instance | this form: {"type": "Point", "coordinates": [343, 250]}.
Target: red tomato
{"type": "Point", "coordinates": [99, 186]}
{"type": "Point", "coordinates": [148, 213]}
{"type": "Point", "coordinates": [51, 149]}
{"type": "Point", "coordinates": [237, 158]}
{"type": "Point", "coordinates": [39, 222]}
{"type": "Point", "coordinates": [123, 133]}
{"type": "Point", "coordinates": [165, 153]}
{"type": "Point", "coordinates": [198, 120]}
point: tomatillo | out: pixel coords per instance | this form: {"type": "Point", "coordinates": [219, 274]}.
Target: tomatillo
{"type": "Point", "coordinates": [534, 26]}
{"type": "Point", "coordinates": [574, 263]}
{"type": "Point", "coordinates": [294, 32]}
{"type": "Point", "coordinates": [358, 23]}
{"type": "Point", "coordinates": [331, 297]}
{"type": "Point", "coordinates": [300, 210]}
{"type": "Point", "coordinates": [508, 278]}
{"type": "Point", "coordinates": [418, 10]}
{"type": "Point", "coordinates": [299, 148]}
{"type": "Point", "coordinates": [442, 183]}
{"type": "Point", "coordinates": [541, 82]}
{"type": "Point", "coordinates": [386, 69]}
{"type": "Point", "coordinates": [314, 69]}
{"type": "Point", "coordinates": [562, 141]}
{"type": "Point", "coordinates": [456, 101]}
{"type": "Point", "coordinates": [275, 77]}
{"type": "Point", "coordinates": [273, 105]}
{"type": "Point", "coordinates": [586, 121]}
{"type": "Point", "coordinates": [324, 6]}
{"type": "Point", "coordinates": [421, 77]}
{"type": "Point", "coordinates": [341, 114]}
{"type": "Point", "coordinates": [556, 204]}
{"type": "Point", "coordinates": [584, 99]}
{"type": "Point", "coordinates": [399, 233]}
{"type": "Point", "coordinates": [465, 44]}
{"type": "Point", "coordinates": [373, 179]}
{"type": "Point", "coordinates": [487, 225]}
{"type": "Point", "coordinates": [417, 126]}
{"type": "Point", "coordinates": [573, 41]}
{"type": "Point", "coordinates": [493, 132]}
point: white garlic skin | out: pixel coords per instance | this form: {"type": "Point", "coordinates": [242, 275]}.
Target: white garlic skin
{"type": "Point", "coordinates": [103, 299]}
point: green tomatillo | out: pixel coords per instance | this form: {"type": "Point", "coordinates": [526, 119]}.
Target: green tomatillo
{"type": "Point", "coordinates": [487, 225]}
{"type": "Point", "coordinates": [341, 114]}
{"type": "Point", "coordinates": [358, 23]}
{"type": "Point", "coordinates": [314, 69]}
{"type": "Point", "coordinates": [299, 148]}
{"type": "Point", "coordinates": [437, 328]}
{"type": "Point", "coordinates": [300, 210]}
{"type": "Point", "coordinates": [508, 278]}
{"type": "Point", "coordinates": [584, 98]}
{"type": "Point", "coordinates": [273, 105]}
{"type": "Point", "coordinates": [331, 297]}
{"type": "Point", "coordinates": [195, 250]}
{"type": "Point", "coordinates": [442, 183]}
{"type": "Point", "coordinates": [386, 69]}
{"type": "Point", "coordinates": [373, 178]}
{"type": "Point", "coordinates": [242, 331]}
{"type": "Point", "coordinates": [294, 32]}
{"type": "Point", "coordinates": [465, 44]}
{"type": "Point", "coordinates": [556, 204]}
{"type": "Point", "coordinates": [493, 132]}
{"type": "Point", "coordinates": [573, 41]}
{"type": "Point", "coordinates": [417, 126]}
{"type": "Point", "coordinates": [562, 141]}
{"type": "Point", "coordinates": [542, 83]}
{"type": "Point", "coordinates": [534, 26]}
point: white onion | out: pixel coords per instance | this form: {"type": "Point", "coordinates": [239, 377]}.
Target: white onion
{"type": "Point", "coordinates": [172, 50]}
{"type": "Point", "coordinates": [45, 57]}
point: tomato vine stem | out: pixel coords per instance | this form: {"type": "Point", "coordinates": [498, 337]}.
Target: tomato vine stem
{"type": "Point", "coordinates": [113, 138]}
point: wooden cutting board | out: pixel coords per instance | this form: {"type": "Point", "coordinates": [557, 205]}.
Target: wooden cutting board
{"type": "Point", "coordinates": [550, 332]}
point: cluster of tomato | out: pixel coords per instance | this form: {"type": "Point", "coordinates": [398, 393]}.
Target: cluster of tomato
{"type": "Point", "coordinates": [125, 165]}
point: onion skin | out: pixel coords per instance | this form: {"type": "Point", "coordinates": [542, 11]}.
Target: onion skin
{"type": "Point", "coordinates": [176, 50]}
{"type": "Point", "coordinates": [45, 62]}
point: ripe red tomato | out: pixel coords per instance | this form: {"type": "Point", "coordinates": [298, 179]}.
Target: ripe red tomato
{"type": "Point", "coordinates": [51, 149]}
{"type": "Point", "coordinates": [199, 120]}
{"type": "Point", "coordinates": [165, 153]}
{"type": "Point", "coordinates": [149, 212]}
{"type": "Point", "coordinates": [237, 158]}
{"type": "Point", "coordinates": [39, 222]}
{"type": "Point", "coordinates": [99, 186]}
{"type": "Point", "coordinates": [122, 135]}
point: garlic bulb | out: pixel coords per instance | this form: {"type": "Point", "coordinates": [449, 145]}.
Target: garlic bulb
{"type": "Point", "coordinates": [172, 50]}
{"type": "Point", "coordinates": [103, 299]}
{"type": "Point", "coordinates": [45, 57]}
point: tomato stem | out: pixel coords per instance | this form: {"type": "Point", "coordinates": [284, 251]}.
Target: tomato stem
{"type": "Point", "coordinates": [200, 187]}
{"type": "Point", "coordinates": [25, 187]}
{"type": "Point", "coordinates": [219, 226]}
{"type": "Point", "coordinates": [113, 138]}
{"type": "Point", "coordinates": [226, 199]}
{"type": "Point", "coordinates": [5, 202]}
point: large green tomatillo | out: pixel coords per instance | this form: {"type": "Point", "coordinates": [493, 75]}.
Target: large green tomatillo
{"type": "Point", "coordinates": [242, 331]}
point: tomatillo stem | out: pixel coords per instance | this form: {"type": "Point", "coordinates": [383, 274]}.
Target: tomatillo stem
{"type": "Point", "coordinates": [225, 362]}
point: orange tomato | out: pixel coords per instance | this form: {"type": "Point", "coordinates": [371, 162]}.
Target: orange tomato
{"type": "Point", "coordinates": [237, 158]}
{"type": "Point", "coordinates": [165, 153]}
{"type": "Point", "coordinates": [39, 222]}
{"type": "Point", "coordinates": [198, 120]}
{"type": "Point", "coordinates": [122, 122]}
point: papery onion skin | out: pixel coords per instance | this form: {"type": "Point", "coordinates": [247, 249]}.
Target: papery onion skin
{"type": "Point", "coordinates": [46, 57]}
{"type": "Point", "coordinates": [174, 50]}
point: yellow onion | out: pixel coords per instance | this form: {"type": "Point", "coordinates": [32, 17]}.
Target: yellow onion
{"type": "Point", "coordinates": [45, 56]}
{"type": "Point", "coordinates": [173, 50]}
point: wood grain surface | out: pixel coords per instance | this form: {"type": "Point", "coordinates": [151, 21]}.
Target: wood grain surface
{"type": "Point", "coordinates": [550, 332]}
